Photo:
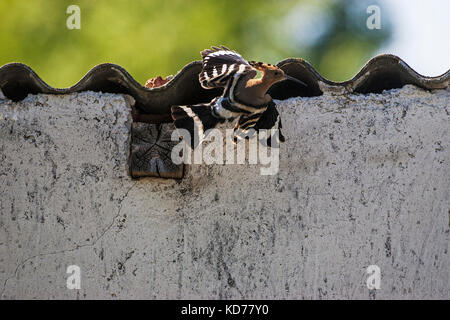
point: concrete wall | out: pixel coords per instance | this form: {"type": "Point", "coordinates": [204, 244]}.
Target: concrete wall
{"type": "Point", "coordinates": [363, 180]}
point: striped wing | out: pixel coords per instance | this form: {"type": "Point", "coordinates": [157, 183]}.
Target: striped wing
{"type": "Point", "coordinates": [269, 119]}
{"type": "Point", "coordinates": [220, 65]}
{"type": "Point", "coordinates": [196, 120]}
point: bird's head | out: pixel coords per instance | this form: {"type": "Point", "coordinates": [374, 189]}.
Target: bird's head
{"type": "Point", "coordinates": [272, 74]}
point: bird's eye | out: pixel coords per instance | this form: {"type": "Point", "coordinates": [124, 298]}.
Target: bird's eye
{"type": "Point", "coordinates": [276, 73]}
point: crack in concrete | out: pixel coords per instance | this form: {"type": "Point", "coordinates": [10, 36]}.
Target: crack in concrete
{"type": "Point", "coordinates": [102, 234]}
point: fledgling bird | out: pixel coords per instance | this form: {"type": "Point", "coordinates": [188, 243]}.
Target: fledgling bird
{"type": "Point", "coordinates": [243, 97]}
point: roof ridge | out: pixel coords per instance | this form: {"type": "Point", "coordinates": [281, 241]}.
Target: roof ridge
{"type": "Point", "coordinates": [382, 72]}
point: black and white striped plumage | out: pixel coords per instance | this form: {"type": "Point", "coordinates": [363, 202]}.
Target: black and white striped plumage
{"type": "Point", "coordinates": [224, 68]}
{"type": "Point", "coordinates": [269, 119]}
{"type": "Point", "coordinates": [220, 65]}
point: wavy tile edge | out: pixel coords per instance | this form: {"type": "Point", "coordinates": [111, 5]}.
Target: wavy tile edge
{"type": "Point", "coordinates": [380, 73]}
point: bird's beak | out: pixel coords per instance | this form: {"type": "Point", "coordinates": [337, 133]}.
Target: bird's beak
{"type": "Point", "coordinates": [295, 79]}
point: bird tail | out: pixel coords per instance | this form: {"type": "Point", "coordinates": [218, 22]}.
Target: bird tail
{"type": "Point", "coordinates": [196, 119]}
{"type": "Point", "coordinates": [271, 119]}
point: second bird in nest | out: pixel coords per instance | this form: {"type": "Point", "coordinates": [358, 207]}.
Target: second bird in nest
{"type": "Point", "coordinates": [244, 98]}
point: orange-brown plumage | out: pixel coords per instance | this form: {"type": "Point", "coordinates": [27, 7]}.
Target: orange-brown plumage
{"type": "Point", "coordinates": [254, 91]}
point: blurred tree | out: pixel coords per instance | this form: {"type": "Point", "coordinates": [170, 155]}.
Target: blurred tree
{"type": "Point", "coordinates": [157, 37]}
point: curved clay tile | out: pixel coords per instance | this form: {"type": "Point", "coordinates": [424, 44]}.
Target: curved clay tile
{"type": "Point", "coordinates": [383, 72]}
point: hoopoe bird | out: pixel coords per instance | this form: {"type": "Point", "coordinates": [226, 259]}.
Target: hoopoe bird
{"type": "Point", "coordinates": [244, 98]}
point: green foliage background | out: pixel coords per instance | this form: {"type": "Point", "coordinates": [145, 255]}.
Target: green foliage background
{"type": "Point", "coordinates": [156, 37]}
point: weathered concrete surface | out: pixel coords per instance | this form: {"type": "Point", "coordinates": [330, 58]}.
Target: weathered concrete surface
{"type": "Point", "coordinates": [363, 180]}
